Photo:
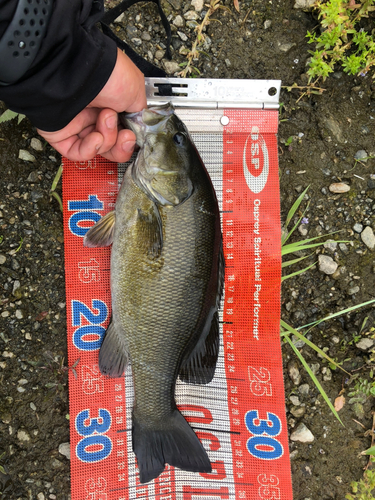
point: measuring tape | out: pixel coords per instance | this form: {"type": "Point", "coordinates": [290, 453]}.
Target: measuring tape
{"type": "Point", "coordinates": [240, 416]}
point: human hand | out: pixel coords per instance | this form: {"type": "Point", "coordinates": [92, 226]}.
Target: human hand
{"type": "Point", "coordinates": [95, 129]}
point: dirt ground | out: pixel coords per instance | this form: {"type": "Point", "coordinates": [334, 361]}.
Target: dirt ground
{"type": "Point", "coordinates": [319, 138]}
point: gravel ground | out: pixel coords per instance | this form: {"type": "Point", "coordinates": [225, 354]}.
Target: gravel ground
{"type": "Point", "coordinates": [320, 139]}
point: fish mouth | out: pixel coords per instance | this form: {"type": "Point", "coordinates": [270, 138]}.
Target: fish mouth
{"type": "Point", "coordinates": [149, 120]}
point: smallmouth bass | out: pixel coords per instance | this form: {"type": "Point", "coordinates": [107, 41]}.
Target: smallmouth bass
{"type": "Point", "coordinates": [167, 273]}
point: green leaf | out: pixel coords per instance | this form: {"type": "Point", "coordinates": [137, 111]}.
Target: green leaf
{"type": "Point", "coordinates": [290, 330]}
{"type": "Point", "coordinates": [370, 451]}
{"type": "Point", "coordinates": [298, 272]}
{"type": "Point", "coordinates": [7, 116]}
{"type": "Point", "coordinates": [314, 379]}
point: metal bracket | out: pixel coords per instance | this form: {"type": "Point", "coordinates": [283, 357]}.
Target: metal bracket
{"type": "Point", "coordinates": [214, 93]}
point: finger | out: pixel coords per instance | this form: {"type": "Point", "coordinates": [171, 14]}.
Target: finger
{"type": "Point", "coordinates": [123, 148]}
{"type": "Point", "coordinates": [86, 118]}
{"type": "Point", "coordinates": [106, 125]}
{"type": "Point", "coordinates": [76, 149]}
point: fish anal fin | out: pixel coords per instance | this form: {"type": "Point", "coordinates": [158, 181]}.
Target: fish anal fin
{"type": "Point", "coordinates": [199, 367]}
{"type": "Point", "coordinates": [113, 356]}
{"type": "Point", "coordinates": [173, 442]}
{"type": "Point", "coordinates": [101, 234]}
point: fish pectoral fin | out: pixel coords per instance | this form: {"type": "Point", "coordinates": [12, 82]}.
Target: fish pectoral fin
{"type": "Point", "coordinates": [151, 229]}
{"type": "Point", "coordinates": [101, 234]}
{"type": "Point", "coordinates": [113, 356]}
{"type": "Point", "coordinates": [199, 367]}
{"type": "Point", "coordinates": [173, 441]}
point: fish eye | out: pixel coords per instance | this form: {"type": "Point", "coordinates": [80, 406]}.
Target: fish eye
{"type": "Point", "coordinates": [179, 139]}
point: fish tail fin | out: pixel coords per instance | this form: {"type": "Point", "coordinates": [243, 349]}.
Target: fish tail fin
{"type": "Point", "coordinates": [174, 443]}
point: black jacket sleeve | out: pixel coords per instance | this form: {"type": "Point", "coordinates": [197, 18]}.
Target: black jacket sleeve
{"type": "Point", "coordinates": [73, 64]}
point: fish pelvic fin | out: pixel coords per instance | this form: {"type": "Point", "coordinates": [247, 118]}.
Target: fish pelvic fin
{"type": "Point", "coordinates": [101, 234]}
{"type": "Point", "coordinates": [174, 443]}
{"type": "Point", "coordinates": [113, 356]}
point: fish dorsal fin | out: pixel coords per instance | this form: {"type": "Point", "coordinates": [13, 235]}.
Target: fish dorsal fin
{"type": "Point", "coordinates": [199, 367]}
{"type": "Point", "coordinates": [113, 355]}
{"type": "Point", "coordinates": [101, 234]}
{"type": "Point", "coordinates": [150, 226]}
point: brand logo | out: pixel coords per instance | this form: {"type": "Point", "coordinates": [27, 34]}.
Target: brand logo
{"type": "Point", "coordinates": [259, 162]}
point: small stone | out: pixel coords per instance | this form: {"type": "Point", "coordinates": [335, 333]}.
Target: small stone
{"type": "Point", "coordinates": [339, 187]}
{"type": "Point", "coordinates": [191, 15]}
{"type": "Point", "coordinates": [326, 264]}
{"type": "Point", "coordinates": [7, 354]}
{"type": "Point", "coordinates": [315, 367]}
{"type": "Point", "coordinates": [137, 42]}
{"type": "Point", "coordinates": [32, 406]}
{"type": "Point", "coordinates": [302, 229]}
{"type": "Point", "coordinates": [343, 248]}
{"type": "Point", "coordinates": [304, 4]}
{"type": "Point", "coordinates": [368, 238]}
{"type": "Point", "coordinates": [36, 144]}
{"type": "Point", "coordinates": [298, 411]}
{"type": "Point", "coordinates": [178, 21]}
{"type": "Point", "coordinates": [228, 63]}
{"type": "Point", "coordinates": [21, 389]}
{"type": "Point", "coordinates": [327, 374]}
{"type": "Point", "coordinates": [33, 177]}
{"type": "Point", "coordinates": [302, 434]}
{"type": "Point", "coordinates": [267, 24]}
{"type": "Point", "coordinates": [23, 381]}
{"type": "Point", "coordinates": [285, 47]}
{"type": "Point", "coordinates": [295, 400]}
{"type": "Point", "coordinates": [197, 4]}
{"type": "Point", "coordinates": [159, 54]}
{"type": "Point", "coordinates": [353, 290]}
{"type": "Point", "coordinates": [146, 37]}
{"type": "Point", "coordinates": [334, 127]}
{"type": "Point", "coordinates": [297, 342]}
{"type": "Point", "coordinates": [358, 228]}
{"type": "Point", "coordinates": [304, 389]}
{"type": "Point", "coordinates": [294, 373]}
{"type": "Point", "coordinates": [365, 344]}
{"type": "Point", "coordinates": [19, 314]}
{"type": "Point", "coordinates": [2, 259]}
{"type": "Point", "coordinates": [25, 155]}
{"type": "Point", "coordinates": [64, 449]}
{"type": "Point", "coordinates": [27, 336]}
{"type": "Point", "coordinates": [171, 67]}
{"type": "Point", "coordinates": [120, 18]}
{"type": "Point", "coordinates": [5, 314]}
{"type": "Point", "coordinates": [16, 286]}
{"type": "Point", "coordinates": [331, 245]}
{"type": "Point", "coordinates": [361, 155]}
{"type": "Point", "coordinates": [40, 496]}
{"type": "Point", "coordinates": [23, 436]}
{"type": "Point", "coordinates": [182, 36]}
{"type": "Point", "coordinates": [131, 31]}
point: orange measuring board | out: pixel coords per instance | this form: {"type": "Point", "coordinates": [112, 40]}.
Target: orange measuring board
{"type": "Point", "coordinates": [240, 415]}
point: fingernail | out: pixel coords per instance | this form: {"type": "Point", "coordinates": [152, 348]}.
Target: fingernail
{"type": "Point", "coordinates": [128, 146]}
{"type": "Point", "coordinates": [98, 146]}
{"type": "Point", "coordinates": [111, 122]}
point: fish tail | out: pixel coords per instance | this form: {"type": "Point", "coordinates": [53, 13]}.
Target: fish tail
{"type": "Point", "coordinates": [174, 443]}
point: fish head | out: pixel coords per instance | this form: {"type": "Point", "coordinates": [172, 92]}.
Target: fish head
{"type": "Point", "coordinates": [164, 162]}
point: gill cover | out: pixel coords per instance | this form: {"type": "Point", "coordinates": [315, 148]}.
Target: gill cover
{"type": "Point", "coordinates": [162, 167]}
